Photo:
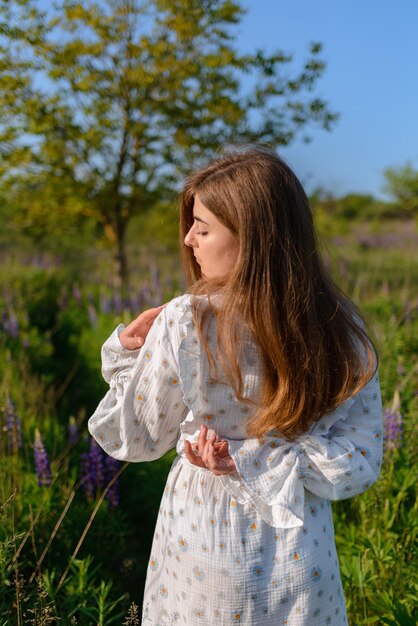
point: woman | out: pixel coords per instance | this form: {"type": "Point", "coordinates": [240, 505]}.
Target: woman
{"type": "Point", "coordinates": [264, 379]}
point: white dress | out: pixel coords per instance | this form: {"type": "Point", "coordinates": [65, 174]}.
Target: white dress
{"type": "Point", "coordinates": [256, 547]}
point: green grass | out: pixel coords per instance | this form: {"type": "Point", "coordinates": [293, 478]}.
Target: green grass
{"type": "Point", "coordinates": [55, 560]}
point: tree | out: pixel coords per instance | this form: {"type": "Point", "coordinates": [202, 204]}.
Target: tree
{"type": "Point", "coordinates": [106, 104]}
{"type": "Point", "coordinates": [402, 185]}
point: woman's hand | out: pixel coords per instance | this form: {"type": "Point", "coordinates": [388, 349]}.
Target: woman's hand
{"type": "Point", "coordinates": [210, 453]}
{"type": "Point", "coordinates": [133, 336]}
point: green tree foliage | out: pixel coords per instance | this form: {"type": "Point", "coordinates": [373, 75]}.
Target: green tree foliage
{"type": "Point", "coordinates": [402, 185]}
{"type": "Point", "coordinates": [352, 206]}
{"type": "Point", "coordinates": [337, 214]}
{"type": "Point", "coordinates": [105, 104]}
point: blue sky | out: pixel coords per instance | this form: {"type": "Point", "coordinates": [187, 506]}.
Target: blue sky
{"type": "Point", "coordinates": [371, 52]}
{"type": "Point", "coordinates": [371, 79]}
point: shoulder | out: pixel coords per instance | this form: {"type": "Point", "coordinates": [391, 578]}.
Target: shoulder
{"type": "Point", "coordinates": [175, 311]}
{"type": "Point", "coordinates": [178, 306]}
{"type": "Point", "coordinates": [172, 317]}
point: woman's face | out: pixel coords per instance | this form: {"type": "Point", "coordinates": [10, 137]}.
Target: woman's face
{"type": "Point", "coordinates": [214, 245]}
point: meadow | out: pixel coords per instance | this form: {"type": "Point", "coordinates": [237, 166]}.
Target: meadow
{"type": "Point", "coordinates": [76, 526]}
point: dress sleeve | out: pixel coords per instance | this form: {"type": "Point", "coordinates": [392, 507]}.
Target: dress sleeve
{"type": "Point", "coordinates": [139, 418]}
{"type": "Point", "coordinates": [117, 361]}
{"type": "Point", "coordinates": [339, 457]}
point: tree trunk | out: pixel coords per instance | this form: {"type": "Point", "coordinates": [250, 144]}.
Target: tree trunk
{"type": "Point", "coordinates": [121, 261]}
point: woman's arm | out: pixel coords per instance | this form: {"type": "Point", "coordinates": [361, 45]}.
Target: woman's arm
{"type": "Point", "coordinates": [120, 351]}
{"type": "Point", "coordinates": [338, 458]}
{"type": "Point", "coordinates": [346, 460]}
{"type": "Point", "coordinates": [139, 417]}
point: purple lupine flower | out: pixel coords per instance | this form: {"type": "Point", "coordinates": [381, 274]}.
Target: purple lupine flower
{"type": "Point", "coordinates": [4, 318]}
{"type": "Point", "coordinates": [13, 427]}
{"type": "Point", "coordinates": [135, 303]}
{"type": "Point", "coordinates": [72, 431]}
{"type": "Point", "coordinates": [105, 304]}
{"type": "Point", "coordinates": [113, 495]}
{"type": "Point", "coordinates": [92, 313]}
{"type": "Point", "coordinates": [96, 464]}
{"type": "Point", "coordinates": [393, 425]}
{"type": "Point", "coordinates": [145, 293]}
{"type": "Point", "coordinates": [117, 303]}
{"type": "Point", "coordinates": [11, 324]}
{"type": "Point", "coordinates": [92, 470]}
{"type": "Point", "coordinates": [86, 477]}
{"type": "Point", "coordinates": [36, 260]}
{"type": "Point", "coordinates": [42, 468]}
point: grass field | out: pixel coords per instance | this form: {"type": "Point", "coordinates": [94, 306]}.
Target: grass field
{"type": "Point", "coordinates": [60, 498]}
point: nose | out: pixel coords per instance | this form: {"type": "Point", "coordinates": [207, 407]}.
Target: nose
{"type": "Point", "coordinates": [188, 240]}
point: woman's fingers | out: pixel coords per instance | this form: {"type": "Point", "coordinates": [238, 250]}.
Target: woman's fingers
{"type": "Point", "coordinates": [132, 343]}
{"type": "Point", "coordinates": [208, 445]}
{"type": "Point", "coordinates": [133, 336]}
{"type": "Point", "coordinates": [145, 320]}
{"type": "Point", "coordinates": [221, 448]}
{"type": "Point", "coordinates": [149, 315]}
{"type": "Point", "coordinates": [218, 465]}
{"type": "Point", "coordinates": [201, 439]}
{"type": "Point", "coordinates": [191, 456]}
{"type": "Point", "coordinates": [211, 460]}
{"type": "Point", "coordinates": [210, 453]}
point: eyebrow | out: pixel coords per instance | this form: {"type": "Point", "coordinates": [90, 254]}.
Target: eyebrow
{"type": "Point", "coordinates": [199, 219]}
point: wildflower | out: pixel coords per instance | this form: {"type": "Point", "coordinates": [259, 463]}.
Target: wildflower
{"type": "Point", "coordinates": [113, 495]}
{"type": "Point", "coordinates": [132, 618]}
{"type": "Point", "coordinates": [135, 302]}
{"type": "Point", "coordinates": [11, 324]}
{"type": "Point", "coordinates": [13, 427]}
{"type": "Point", "coordinates": [92, 313]}
{"type": "Point", "coordinates": [117, 303]}
{"type": "Point", "coordinates": [86, 479]}
{"type": "Point", "coordinates": [42, 468]}
{"type": "Point", "coordinates": [392, 429]}
{"type": "Point", "coordinates": [145, 293]}
{"type": "Point", "coordinates": [72, 431]}
{"type": "Point", "coordinates": [105, 304]}
{"type": "Point", "coordinates": [393, 425]}
{"type": "Point", "coordinates": [92, 470]}
{"type": "Point", "coordinates": [96, 464]}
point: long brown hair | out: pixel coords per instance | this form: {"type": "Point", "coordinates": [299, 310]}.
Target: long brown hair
{"type": "Point", "coordinates": [312, 339]}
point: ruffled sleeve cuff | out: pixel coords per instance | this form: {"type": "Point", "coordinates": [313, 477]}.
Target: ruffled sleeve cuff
{"type": "Point", "coordinates": [277, 493]}
{"type": "Point", "coordinates": [339, 457]}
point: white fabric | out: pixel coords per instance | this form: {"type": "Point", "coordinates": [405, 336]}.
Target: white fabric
{"type": "Point", "coordinates": [255, 547]}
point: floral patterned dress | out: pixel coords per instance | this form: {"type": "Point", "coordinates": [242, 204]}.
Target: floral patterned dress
{"type": "Point", "coordinates": [255, 547]}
